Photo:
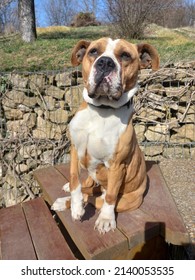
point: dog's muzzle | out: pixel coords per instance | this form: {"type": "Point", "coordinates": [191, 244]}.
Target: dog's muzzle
{"type": "Point", "coordinates": [104, 78]}
{"type": "Point", "coordinates": [104, 66]}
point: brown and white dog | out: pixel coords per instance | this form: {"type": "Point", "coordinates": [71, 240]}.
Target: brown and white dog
{"type": "Point", "coordinates": [102, 135]}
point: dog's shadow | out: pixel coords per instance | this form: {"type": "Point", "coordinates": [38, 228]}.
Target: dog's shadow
{"type": "Point", "coordinates": [90, 211]}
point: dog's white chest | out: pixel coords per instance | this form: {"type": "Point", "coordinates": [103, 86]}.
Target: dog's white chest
{"type": "Point", "coordinates": [96, 131]}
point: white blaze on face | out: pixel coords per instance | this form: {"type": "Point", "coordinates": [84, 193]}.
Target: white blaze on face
{"type": "Point", "coordinates": [114, 76]}
{"type": "Point", "coordinates": [110, 49]}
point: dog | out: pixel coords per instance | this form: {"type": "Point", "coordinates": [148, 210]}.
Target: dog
{"type": "Point", "coordinates": [103, 139]}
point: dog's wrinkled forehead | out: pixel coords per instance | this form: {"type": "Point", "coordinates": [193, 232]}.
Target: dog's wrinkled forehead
{"type": "Point", "coordinates": [106, 47]}
{"type": "Point", "coordinates": [118, 50]}
{"type": "Point", "coordinates": [110, 46]}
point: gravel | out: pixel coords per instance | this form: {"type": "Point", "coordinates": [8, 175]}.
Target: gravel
{"type": "Point", "coordinates": [179, 175]}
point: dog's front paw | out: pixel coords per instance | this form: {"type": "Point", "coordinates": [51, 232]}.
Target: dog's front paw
{"type": "Point", "coordinates": [61, 203]}
{"type": "Point", "coordinates": [106, 220]}
{"type": "Point", "coordinates": [66, 187]}
{"type": "Point", "coordinates": [104, 225]}
{"type": "Point", "coordinates": [77, 211]}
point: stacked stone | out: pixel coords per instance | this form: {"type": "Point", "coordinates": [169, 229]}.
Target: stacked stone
{"type": "Point", "coordinates": [35, 109]}
{"type": "Point", "coordinates": [165, 112]}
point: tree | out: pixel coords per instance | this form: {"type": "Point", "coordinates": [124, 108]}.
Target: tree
{"type": "Point", "coordinates": [190, 6]}
{"type": "Point", "coordinates": [59, 12]}
{"type": "Point", "coordinates": [132, 16]}
{"type": "Point", "coordinates": [4, 3]}
{"type": "Point", "coordinates": [26, 13]}
{"type": "Point", "coordinates": [62, 12]}
{"type": "Point", "coordinates": [8, 17]}
{"type": "Point", "coordinates": [89, 6]}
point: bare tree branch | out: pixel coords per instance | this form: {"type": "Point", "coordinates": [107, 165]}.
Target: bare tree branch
{"type": "Point", "coordinates": [59, 12]}
{"type": "Point", "coordinates": [4, 3]}
{"type": "Point", "coordinates": [130, 17]}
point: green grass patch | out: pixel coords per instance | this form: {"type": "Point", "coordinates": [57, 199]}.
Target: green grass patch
{"type": "Point", "coordinates": [52, 49]}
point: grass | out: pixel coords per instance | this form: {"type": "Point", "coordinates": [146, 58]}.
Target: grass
{"type": "Point", "coordinates": [51, 50]}
{"type": "Point", "coordinates": [174, 46]}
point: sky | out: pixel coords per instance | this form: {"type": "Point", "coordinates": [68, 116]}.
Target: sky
{"type": "Point", "coordinates": [40, 14]}
{"type": "Point", "coordinates": [40, 11]}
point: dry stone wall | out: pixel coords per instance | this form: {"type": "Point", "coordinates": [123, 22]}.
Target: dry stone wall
{"type": "Point", "coordinates": [35, 109]}
{"type": "Point", "coordinates": [165, 112]}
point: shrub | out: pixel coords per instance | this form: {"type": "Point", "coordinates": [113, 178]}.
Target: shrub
{"type": "Point", "coordinates": [84, 19]}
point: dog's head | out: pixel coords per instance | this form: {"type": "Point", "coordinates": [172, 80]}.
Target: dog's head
{"type": "Point", "coordinates": [110, 67]}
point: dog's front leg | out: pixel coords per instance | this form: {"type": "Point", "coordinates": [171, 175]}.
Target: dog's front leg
{"type": "Point", "coordinates": [106, 220]}
{"type": "Point", "coordinates": [77, 209]}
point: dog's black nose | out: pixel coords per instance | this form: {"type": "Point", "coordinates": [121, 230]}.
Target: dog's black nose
{"type": "Point", "coordinates": [105, 64]}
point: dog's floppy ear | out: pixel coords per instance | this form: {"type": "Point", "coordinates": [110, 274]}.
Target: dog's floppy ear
{"type": "Point", "coordinates": [78, 52]}
{"type": "Point", "coordinates": [149, 57]}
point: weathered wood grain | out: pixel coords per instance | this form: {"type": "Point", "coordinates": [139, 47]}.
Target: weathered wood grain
{"type": "Point", "coordinates": [159, 204]}
{"type": "Point", "coordinates": [48, 241]}
{"type": "Point", "coordinates": [91, 244]}
{"type": "Point", "coordinates": [158, 215]}
{"type": "Point", "coordinates": [15, 239]}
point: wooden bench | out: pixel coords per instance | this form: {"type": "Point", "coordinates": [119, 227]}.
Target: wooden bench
{"type": "Point", "coordinates": [140, 234]}
{"type": "Point", "coordinates": [143, 233]}
{"type": "Point", "coordinates": [28, 232]}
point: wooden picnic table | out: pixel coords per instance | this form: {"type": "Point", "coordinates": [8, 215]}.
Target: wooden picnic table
{"type": "Point", "coordinates": [29, 231]}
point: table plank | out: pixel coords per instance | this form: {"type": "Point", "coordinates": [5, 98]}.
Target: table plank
{"type": "Point", "coordinates": [48, 241]}
{"type": "Point", "coordinates": [159, 204]}
{"type": "Point", "coordinates": [51, 181]}
{"type": "Point", "coordinates": [138, 226]}
{"type": "Point", "coordinates": [91, 244]}
{"type": "Point", "coordinates": [64, 169]}
{"type": "Point", "coordinates": [15, 239]}
{"type": "Point", "coordinates": [157, 214]}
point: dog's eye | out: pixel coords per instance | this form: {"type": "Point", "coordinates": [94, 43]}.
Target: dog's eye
{"type": "Point", "coordinates": [125, 56]}
{"type": "Point", "coordinates": [93, 52]}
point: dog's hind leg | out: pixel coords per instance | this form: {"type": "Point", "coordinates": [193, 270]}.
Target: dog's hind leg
{"type": "Point", "coordinates": [132, 200]}
{"type": "Point", "coordinates": [88, 183]}
{"type": "Point", "coordinates": [66, 187]}
{"type": "Point", "coordinates": [96, 201]}
{"type": "Point", "coordinates": [61, 204]}
{"type": "Point", "coordinates": [123, 204]}
{"type": "Point", "coordinates": [90, 187]}
{"type": "Point", "coordinates": [87, 186]}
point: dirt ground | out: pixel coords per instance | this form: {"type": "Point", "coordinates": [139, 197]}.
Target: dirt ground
{"type": "Point", "coordinates": [180, 178]}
